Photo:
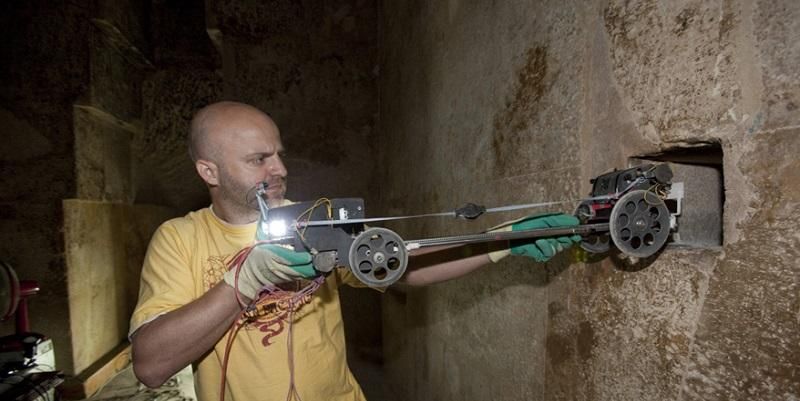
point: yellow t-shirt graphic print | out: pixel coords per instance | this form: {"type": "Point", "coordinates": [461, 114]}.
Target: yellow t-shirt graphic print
{"type": "Point", "coordinates": [186, 257]}
{"type": "Point", "coordinates": [272, 315]}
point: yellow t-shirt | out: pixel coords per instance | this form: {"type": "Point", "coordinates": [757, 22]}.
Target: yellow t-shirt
{"type": "Point", "coordinates": [186, 257]}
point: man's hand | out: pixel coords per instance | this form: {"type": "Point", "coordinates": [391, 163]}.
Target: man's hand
{"type": "Point", "coordinates": [541, 249]}
{"type": "Point", "coordinates": [270, 264]}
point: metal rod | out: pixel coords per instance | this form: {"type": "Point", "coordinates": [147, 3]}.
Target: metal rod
{"type": "Point", "coordinates": [507, 235]}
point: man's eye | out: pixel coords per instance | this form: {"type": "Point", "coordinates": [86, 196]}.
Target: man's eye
{"type": "Point", "coordinates": [257, 160]}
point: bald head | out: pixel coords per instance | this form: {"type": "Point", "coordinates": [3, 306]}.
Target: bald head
{"type": "Point", "coordinates": [236, 147]}
{"type": "Point", "coordinates": [213, 122]}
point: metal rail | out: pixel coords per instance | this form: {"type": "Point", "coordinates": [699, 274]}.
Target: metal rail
{"type": "Point", "coordinates": [506, 235]}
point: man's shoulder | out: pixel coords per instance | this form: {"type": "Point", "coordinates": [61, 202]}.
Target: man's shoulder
{"type": "Point", "coordinates": [188, 223]}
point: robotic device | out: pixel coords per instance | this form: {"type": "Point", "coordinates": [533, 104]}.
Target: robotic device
{"type": "Point", "coordinates": [632, 203]}
{"type": "Point", "coordinates": [626, 208]}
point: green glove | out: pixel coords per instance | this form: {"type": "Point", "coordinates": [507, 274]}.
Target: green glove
{"type": "Point", "coordinates": [541, 249]}
{"type": "Point", "coordinates": [270, 264]}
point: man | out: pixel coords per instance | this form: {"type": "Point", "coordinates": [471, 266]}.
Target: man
{"type": "Point", "coordinates": [187, 301]}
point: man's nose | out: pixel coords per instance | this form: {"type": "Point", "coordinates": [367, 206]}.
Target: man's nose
{"type": "Point", "coordinates": [277, 167]}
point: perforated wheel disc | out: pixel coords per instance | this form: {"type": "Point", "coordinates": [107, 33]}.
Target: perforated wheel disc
{"type": "Point", "coordinates": [596, 243]}
{"type": "Point", "coordinates": [639, 223]}
{"type": "Point", "coordinates": [378, 257]}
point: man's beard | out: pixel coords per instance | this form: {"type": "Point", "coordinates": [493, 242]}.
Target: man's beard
{"type": "Point", "coordinates": [243, 196]}
{"type": "Point", "coordinates": [239, 195]}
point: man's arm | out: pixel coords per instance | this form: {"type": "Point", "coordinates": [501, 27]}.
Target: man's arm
{"type": "Point", "coordinates": [166, 345]}
{"type": "Point", "coordinates": [437, 264]}
{"type": "Point", "coordinates": [445, 271]}
{"type": "Point", "coordinates": [433, 265]}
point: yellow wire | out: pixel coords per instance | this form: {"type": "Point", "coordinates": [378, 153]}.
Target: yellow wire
{"type": "Point", "coordinates": [310, 212]}
{"type": "Point", "coordinates": [656, 189]}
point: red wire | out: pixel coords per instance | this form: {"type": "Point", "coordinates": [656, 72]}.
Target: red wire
{"type": "Point", "coordinates": [228, 345]}
{"type": "Point", "coordinates": [238, 323]}
{"type": "Point", "coordinates": [290, 352]}
{"type": "Point", "coordinates": [236, 263]}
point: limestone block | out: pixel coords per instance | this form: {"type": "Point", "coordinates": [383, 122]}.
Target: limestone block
{"type": "Point", "coordinates": [618, 334]}
{"type": "Point", "coordinates": [674, 64]}
{"type": "Point", "coordinates": [45, 52]}
{"type": "Point", "coordinates": [102, 156]}
{"type": "Point", "coordinates": [105, 245]}
{"type": "Point", "coordinates": [115, 81]}
{"type": "Point", "coordinates": [351, 20]}
{"type": "Point", "coordinates": [316, 62]}
{"type": "Point", "coordinates": [21, 140]}
{"type": "Point", "coordinates": [643, 76]}
{"type": "Point", "coordinates": [44, 168]}
{"type": "Point", "coordinates": [777, 25]}
{"type": "Point", "coordinates": [700, 223]}
{"type": "Point", "coordinates": [329, 74]}
{"type": "Point", "coordinates": [747, 335]}
{"type": "Point", "coordinates": [487, 115]}
{"type": "Point", "coordinates": [475, 105]}
{"type": "Point", "coordinates": [130, 19]}
{"type": "Point", "coordinates": [164, 174]}
{"type": "Point", "coordinates": [259, 20]}
{"type": "Point", "coordinates": [180, 37]}
{"type": "Point", "coordinates": [524, 139]}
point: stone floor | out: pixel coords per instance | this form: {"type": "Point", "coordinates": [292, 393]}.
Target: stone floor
{"type": "Point", "coordinates": [125, 386]}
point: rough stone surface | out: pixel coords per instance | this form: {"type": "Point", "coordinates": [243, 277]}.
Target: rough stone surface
{"type": "Point", "coordinates": [748, 334]}
{"type": "Point", "coordinates": [70, 103]}
{"type": "Point", "coordinates": [103, 156]}
{"type": "Point", "coordinates": [44, 70]}
{"type": "Point", "coordinates": [616, 333]}
{"type": "Point", "coordinates": [489, 114]}
{"type": "Point", "coordinates": [131, 18]}
{"type": "Point", "coordinates": [523, 102]}
{"type": "Point", "coordinates": [163, 172]}
{"type": "Point", "coordinates": [311, 66]}
{"type": "Point", "coordinates": [775, 27]}
{"type": "Point", "coordinates": [105, 246]}
{"type": "Point", "coordinates": [180, 36]}
{"type": "Point", "coordinates": [673, 62]}
{"type": "Point", "coordinates": [115, 80]}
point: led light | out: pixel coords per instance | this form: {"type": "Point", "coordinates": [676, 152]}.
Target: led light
{"type": "Point", "coordinates": [277, 228]}
{"type": "Point", "coordinates": [264, 228]}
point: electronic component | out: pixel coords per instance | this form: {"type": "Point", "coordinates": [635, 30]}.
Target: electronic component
{"type": "Point", "coordinates": [626, 208]}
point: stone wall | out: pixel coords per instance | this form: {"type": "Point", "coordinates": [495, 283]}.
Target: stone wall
{"type": "Point", "coordinates": [45, 70]}
{"type": "Point", "coordinates": [71, 108]}
{"type": "Point", "coordinates": [512, 102]}
{"type": "Point", "coordinates": [312, 66]}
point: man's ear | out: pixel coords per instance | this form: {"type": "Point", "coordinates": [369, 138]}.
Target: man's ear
{"type": "Point", "coordinates": [208, 171]}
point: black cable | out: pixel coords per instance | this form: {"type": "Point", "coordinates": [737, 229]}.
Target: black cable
{"type": "Point", "coordinates": [40, 390]}
{"type": "Point", "coordinates": [28, 383]}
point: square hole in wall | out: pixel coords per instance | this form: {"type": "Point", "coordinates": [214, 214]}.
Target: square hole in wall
{"type": "Point", "coordinates": [699, 169]}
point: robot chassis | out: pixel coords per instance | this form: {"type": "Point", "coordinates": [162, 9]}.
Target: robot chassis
{"type": "Point", "coordinates": [626, 209]}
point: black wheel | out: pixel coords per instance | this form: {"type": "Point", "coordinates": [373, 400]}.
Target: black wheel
{"type": "Point", "coordinates": [378, 257]}
{"type": "Point", "coordinates": [596, 243]}
{"type": "Point", "coordinates": [639, 223]}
